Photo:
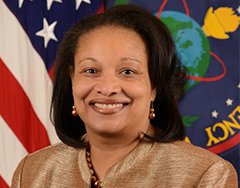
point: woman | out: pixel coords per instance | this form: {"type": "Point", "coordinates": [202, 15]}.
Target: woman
{"type": "Point", "coordinates": [114, 106]}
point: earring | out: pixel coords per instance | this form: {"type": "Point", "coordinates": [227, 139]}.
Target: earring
{"type": "Point", "coordinates": [151, 113]}
{"type": "Point", "coordinates": [74, 111]}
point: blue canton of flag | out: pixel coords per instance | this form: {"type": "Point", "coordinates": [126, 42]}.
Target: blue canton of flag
{"type": "Point", "coordinates": [45, 22]}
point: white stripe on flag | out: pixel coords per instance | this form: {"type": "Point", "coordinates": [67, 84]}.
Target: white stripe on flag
{"type": "Point", "coordinates": [27, 66]}
{"type": "Point", "coordinates": [11, 150]}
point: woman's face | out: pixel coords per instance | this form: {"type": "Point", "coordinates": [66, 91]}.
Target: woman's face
{"type": "Point", "coordinates": [110, 82]}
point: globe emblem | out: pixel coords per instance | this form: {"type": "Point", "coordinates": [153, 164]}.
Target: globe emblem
{"type": "Point", "coordinates": [192, 45]}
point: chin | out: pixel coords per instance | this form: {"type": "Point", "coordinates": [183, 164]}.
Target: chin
{"type": "Point", "coordinates": [108, 131]}
{"type": "Point", "coordinates": [108, 134]}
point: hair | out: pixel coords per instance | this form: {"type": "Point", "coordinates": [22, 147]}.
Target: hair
{"type": "Point", "coordinates": [166, 73]}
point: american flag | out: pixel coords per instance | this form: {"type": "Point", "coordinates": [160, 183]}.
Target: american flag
{"type": "Point", "coordinates": [30, 32]}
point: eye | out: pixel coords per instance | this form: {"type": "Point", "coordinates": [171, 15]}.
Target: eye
{"type": "Point", "coordinates": [90, 71]}
{"type": "Point", "coordinates": [128, 72]}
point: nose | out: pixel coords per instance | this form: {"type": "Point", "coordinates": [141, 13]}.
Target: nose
{"type": "Point", "coordinates": [108, 85]}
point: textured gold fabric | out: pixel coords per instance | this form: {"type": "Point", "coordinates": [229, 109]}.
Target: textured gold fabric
{"type": "Point", "coordinates": [149, 165]}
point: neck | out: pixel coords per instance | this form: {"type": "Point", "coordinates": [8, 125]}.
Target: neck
{"type": "Point", "coordinates": [113, 143]}
{"type": "Point", "coordinates": [114, 149]}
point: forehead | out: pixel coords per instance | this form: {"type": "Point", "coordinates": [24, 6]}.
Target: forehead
{"type": "Point", "coordinates": [111, 33]}
{"type": "Point", "coordinates": [111, 41]}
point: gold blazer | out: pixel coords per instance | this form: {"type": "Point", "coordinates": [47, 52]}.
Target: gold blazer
{"type": "Point", "coordinates": [149, 165]}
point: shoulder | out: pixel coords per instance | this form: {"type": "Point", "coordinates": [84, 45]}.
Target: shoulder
{"type": "Point", "coordinates": [52, 155]}
{"type": "Point", "coordinates": [186, 151]}
{"type": "Point", "coordinates": [59, 149]}
{"type": "Point", "coordinates": [192, 161]}
{"type": "Point", "coordinates": [42, 164]}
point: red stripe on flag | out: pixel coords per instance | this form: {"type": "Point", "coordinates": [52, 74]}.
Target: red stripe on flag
{"type": "Point", "coordinates": [220, 148]}
{"type": "Point", "coordinates": [51, 71]}
{"type": "Point", "coordinates": [3, 184]}
{"type": "Point", "coordinates": [18, 113]}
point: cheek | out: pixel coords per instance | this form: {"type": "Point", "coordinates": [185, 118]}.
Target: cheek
{"type": "Point", "coordinates": [75, 90]}
{"type": "Point", "coordinates": [140, 90]}
{"type": "Point", "coordinates": [75, 93]}
{"type": "Point", "coordinates": [80, 91]}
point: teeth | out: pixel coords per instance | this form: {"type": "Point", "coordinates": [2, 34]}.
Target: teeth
{"type": "Point", "coordinates": [110, 106]}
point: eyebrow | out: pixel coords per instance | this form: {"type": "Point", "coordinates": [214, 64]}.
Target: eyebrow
{"type": "Point", "coordinates": [87, 58]}
{"type": "Point", "coordinates": [128, 58]}
{"type": "Point", "coordinates": [124, 59]}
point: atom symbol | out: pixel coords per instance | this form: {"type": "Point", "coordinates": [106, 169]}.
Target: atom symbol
{"type": "Point", "coordinates": [197, 78]}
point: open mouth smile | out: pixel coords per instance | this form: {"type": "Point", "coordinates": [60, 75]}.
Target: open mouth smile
{"type": "Point", "coordinates": [106, 108]}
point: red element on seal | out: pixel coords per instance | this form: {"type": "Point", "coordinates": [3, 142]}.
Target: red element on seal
{"type": "Point", "coordinates": [164, 4]}
{"type": "Point", "coordinates": [230, 143]}
{"type": "Point", "coordinates": [211, 79]}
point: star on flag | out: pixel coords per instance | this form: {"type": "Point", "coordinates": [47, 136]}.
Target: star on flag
{"type": "Point", "coordinates": [47, 32]}
{"type": "Point", "coordinates": [20, 3]}
{"type": "Point", "coordinates": [229, 102]}
{"type": "Point", "coordinates": [78, 3]}
{"type": "Point", "coordinates": [214, 114]}
{"type": "Point", "coordinates": [50, 2]}
{"type": "Point", "coordinates": [238, 85]}
{"type": "Point", "coordinates": [238, 9]}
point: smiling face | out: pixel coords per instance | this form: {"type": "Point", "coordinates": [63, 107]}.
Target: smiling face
{"type": "Point", "coordinates": [110, 82]}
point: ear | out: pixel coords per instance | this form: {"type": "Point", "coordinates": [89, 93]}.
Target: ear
{"type": "Point", "coordinates": [153, 94]}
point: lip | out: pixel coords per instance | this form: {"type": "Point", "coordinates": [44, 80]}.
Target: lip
{"type": "Point", "coordinates": [108, 107]}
